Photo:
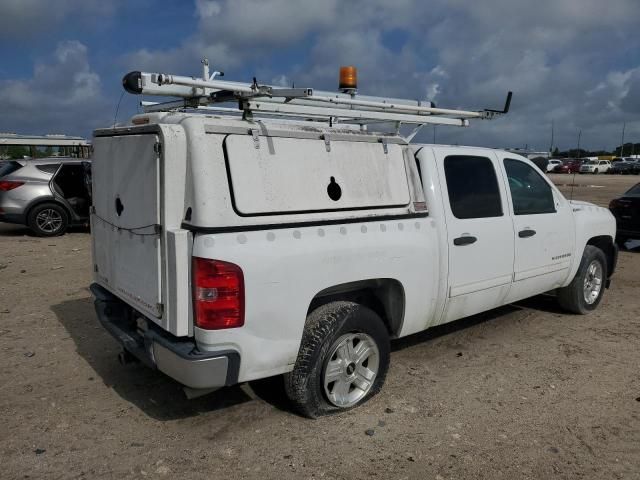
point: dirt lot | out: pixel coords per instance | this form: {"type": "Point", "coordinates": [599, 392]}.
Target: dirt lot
{"type": "Point", "coordinates": [524, 391]}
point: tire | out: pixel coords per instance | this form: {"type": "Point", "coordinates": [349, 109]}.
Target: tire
{"type": "Point", "coordinates": [329, 349]}
{"type": "Point", "coordinates": [574, 296]}
{"type": "Point", "coordinates": [48, 220]}
{"type": "Point", "coordinates": [595, 172]}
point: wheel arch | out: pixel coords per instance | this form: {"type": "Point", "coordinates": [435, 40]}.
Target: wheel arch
{"type": "Point", "coordinates": [385, 296]}
{"type": "Point", "coordinates": [608, 246]}
{"type": "Point", "coordinates": [39, 201]}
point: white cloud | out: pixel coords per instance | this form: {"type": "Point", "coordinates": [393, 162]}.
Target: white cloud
{"type": "Point", "coordinates": [207, 8]}
{"type": "Point", "coordinates": [184, 59]}
{"type": "Point", "coordinates": [259, 23]}
{"type": "Point", "coordinates": [630, 100]}
{"type": "Point", "coordinates": [63, 94]}
{"type": "Point", "coordinates": [281, 81]}
{"type": "Point", "coordinates": [27, 18]}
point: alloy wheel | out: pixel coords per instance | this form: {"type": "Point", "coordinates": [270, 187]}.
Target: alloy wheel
{"type": "Point", "coordinates": [49, 220]}
{"type": "Point", "coordinates": [592, 282]}
{"type": "Point", "coordinates": [351, 369]}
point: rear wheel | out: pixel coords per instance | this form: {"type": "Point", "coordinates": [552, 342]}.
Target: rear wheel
{"type": "Point", "coordinates": [585, 291]}
{"type": "Point", "coordinates": [595, 172]}
{"type": "Point", "coordinates": [48, 220]}
{"type": "Point", "coordinates": [342, 362]}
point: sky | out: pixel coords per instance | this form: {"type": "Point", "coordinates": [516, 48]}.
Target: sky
{"type": "Point", "coordinates": [575, 63]}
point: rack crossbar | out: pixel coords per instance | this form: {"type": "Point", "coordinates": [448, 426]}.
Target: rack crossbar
{"type": "Point", "coordinates": [342, 114]}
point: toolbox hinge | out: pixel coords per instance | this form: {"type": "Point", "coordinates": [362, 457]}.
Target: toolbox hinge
{"type": "Point", "coordinates": [256, 138]}
{"type": "Point", "coordinates": [385, 145]}
{"type": "Point", "coordinates": [327, 142]}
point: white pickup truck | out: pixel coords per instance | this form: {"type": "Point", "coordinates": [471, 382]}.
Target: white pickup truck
{"type": "Point", "coordinates": [229, 249]}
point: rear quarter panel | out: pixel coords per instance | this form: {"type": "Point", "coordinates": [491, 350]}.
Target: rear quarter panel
{"type": "Point", "coordinates": [285, 268]}
{"type": "Point", "coordinates": [36, 189]}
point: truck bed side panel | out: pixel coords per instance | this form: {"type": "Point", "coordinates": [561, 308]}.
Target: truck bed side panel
{"type": "Point", "coordinates": [285, 268]}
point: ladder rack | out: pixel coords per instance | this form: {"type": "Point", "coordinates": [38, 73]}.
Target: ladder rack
{"type": "Point", "coordinates": [256, 99]}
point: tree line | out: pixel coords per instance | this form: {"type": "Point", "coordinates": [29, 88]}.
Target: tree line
{"type": "Point", "coordinates": [626, 150]}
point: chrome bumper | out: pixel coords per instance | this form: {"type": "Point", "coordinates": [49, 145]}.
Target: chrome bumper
{"type": "Point", "coordinates": [176, 357]}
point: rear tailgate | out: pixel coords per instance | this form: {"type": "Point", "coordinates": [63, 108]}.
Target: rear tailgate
{"type": "Point", "coordinates": [125, 223]}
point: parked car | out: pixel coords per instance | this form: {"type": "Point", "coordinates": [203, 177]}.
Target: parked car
{"type": "Point", "coordinates": [541, 162]}
{"type": "Point", "coordinates": [225, 253]}
{"type": "Point", "coordinates": [621, 168]}
{"type": "Point", "coordinates": [626, 166]}
{"type": "Point", "coordinates": [596, 166]}
{"type": "Point", "coordinates": [570, 165]}
{"type": "Point", "coordinates": [48, 194]}
{"type": "Point", "coordinates": [626, 209]}
{"type": "Point", "coordinates": [552, 164]}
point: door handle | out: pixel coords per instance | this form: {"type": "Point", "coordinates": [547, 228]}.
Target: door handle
{"type": "Point", "coordinates": [526, 233]}
{"type": "Point", "coordinates": [460, 241]}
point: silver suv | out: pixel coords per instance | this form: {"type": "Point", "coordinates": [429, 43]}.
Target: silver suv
{"type": "Point", "coordinates": [47, 194]}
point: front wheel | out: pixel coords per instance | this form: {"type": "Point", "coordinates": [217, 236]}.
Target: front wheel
{"type": "Point", "coordinates": [585, 291]}
{"type": "Point", "coordinates": [595, 172]}
{"type": "Point", "coordinates": [342, 362]}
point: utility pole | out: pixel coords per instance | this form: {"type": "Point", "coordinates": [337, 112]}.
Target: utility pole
{"type": "Point", "coordinates": [551, 144]}
{"type": "Point", "coordinates": [434, 134]}
{"type": "Point", "coordinates": [579, 136]}
{"type": "Point", "coordinates": [624, 125]}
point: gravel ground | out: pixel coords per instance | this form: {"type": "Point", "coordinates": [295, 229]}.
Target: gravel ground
{"type": "Point", "coordinates": [524, 391]}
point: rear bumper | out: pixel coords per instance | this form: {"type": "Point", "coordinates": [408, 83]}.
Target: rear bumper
{"type": "Point", "coordinates": [12, 217]}
{"type": "Point", "coordinates": [10, 211]}
{"type": "Point", "coordinates": [176, 357]}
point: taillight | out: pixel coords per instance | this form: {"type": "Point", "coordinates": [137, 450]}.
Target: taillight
{"type": "Point", "coordinates": [218, 294]}
{"type": "Point", "coordinates": [6, 185]}
{"type": "Point", "coordinates": [614, 203]}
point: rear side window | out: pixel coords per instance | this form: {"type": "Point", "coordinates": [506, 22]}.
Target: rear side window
{"type": "Point", "coordinates": [473, 187]}
{"type": "Point", "coordinates": [529, 192]}
{"type": "Point", "coordinates": [48, 168]}
{"type": "Point", "coordinates": [8, 167]}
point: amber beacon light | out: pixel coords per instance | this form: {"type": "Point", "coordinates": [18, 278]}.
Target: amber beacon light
{"type": "Point", "coordinates": [348, 78]}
